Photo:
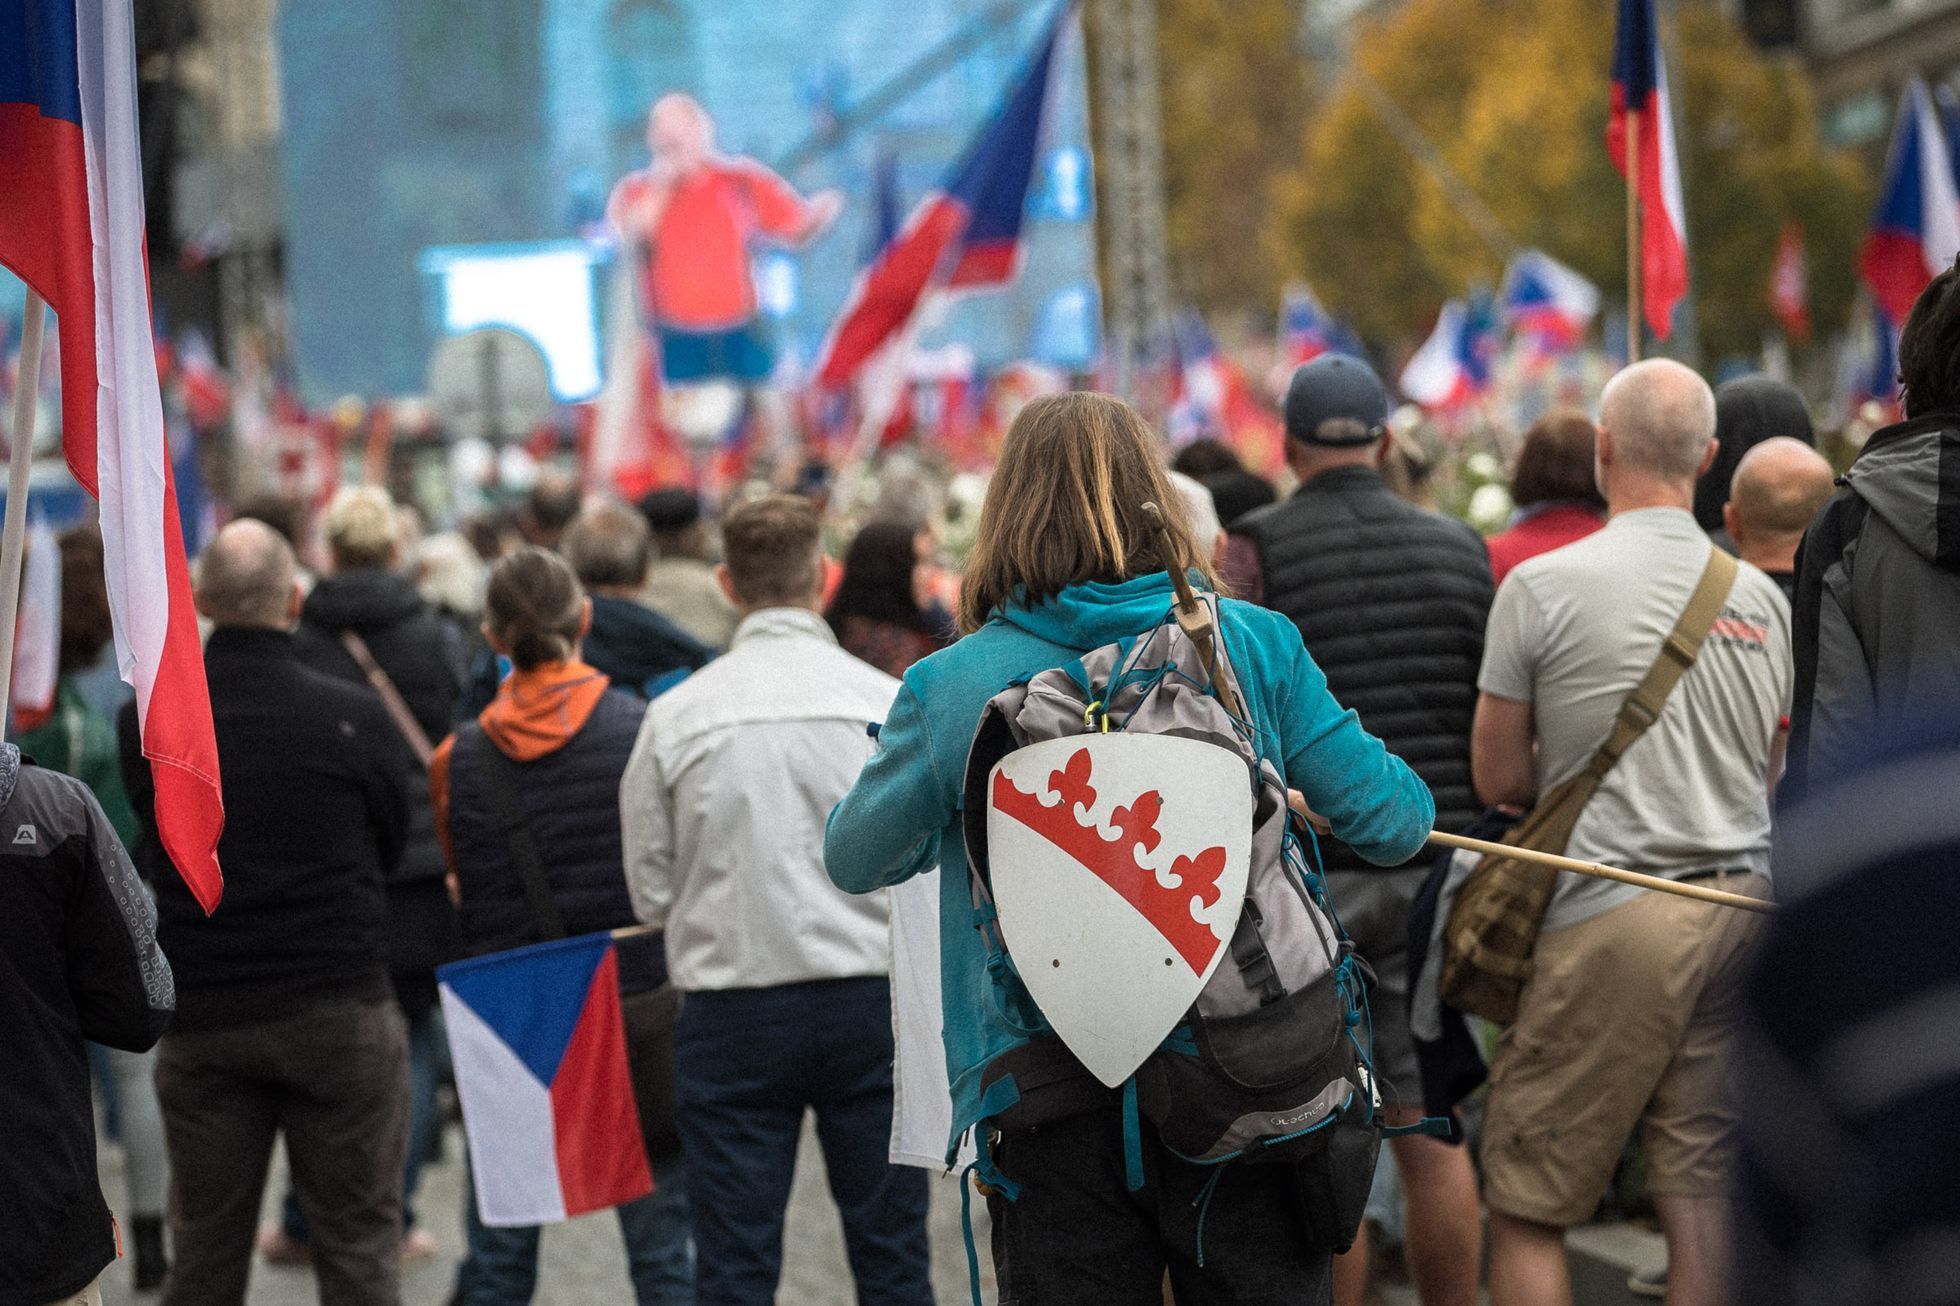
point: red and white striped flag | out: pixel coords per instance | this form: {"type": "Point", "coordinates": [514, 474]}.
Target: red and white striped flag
{"type": "Point", "coordinates": [71, 224]}
{"type": "Point", "coordinates": [1640, 95]}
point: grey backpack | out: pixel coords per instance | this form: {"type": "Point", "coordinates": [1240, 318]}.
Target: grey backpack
{"type": "Point", "coordinates": [1272, 1062]}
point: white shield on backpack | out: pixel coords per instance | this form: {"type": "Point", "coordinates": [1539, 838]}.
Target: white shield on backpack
{"type": "Point", "coordinates": [1119, 865]}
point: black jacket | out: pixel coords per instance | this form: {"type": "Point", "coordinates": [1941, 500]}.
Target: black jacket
{"type": "Point", "coordinates": [1391, 602]}
{"type": "Point", "coordinates": [569, 801]}
{"type": "Point", "coordinates": [422, 653]}
{"type": "Point", "coordinates": [78, 960]}
{"type": "Point", "coordinates": [316, 783]}
{"type": "Point", "coordinates": [637, 647]}
{"type": "Point", "coordinates": [1875, 621]}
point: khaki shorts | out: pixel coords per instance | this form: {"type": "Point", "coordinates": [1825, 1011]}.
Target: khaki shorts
{"type": "Point", "coordinates": [1627, 1020]}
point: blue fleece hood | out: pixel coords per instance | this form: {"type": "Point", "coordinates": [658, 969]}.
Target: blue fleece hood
{"type": "Point", "coordinates": [1092, 614]}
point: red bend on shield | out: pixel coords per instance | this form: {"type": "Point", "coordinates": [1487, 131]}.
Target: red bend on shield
{"type": "Point", "coordinates": [1114, 861]}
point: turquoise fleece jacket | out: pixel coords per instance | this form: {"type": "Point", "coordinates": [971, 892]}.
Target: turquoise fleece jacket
{"type": "Point", "coordinates": [902, 817]}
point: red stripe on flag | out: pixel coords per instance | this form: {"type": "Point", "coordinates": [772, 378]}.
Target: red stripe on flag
{"type": "Point", "coordinates": [888, 292]}
{"type": "Point", "coordinates": [1663, 256]}
{"type": "Point", "coordinates": [602, 1158]}
{"type": "Point", "coordinates": [1893, 264]}
{"type": "Point", "coordinates": [990, 264]}
{"type": "Point", "coordinates": [45, 239]}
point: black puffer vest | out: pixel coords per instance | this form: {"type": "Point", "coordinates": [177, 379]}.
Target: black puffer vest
{"type": "Point", "coordinates": [570, 800]}
{"type": "Point", "coordinates": [1391, 602]}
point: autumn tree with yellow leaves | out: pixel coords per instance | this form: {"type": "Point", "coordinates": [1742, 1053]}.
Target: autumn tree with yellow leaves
{"type": "Point", "coordinates": [1513, 96]}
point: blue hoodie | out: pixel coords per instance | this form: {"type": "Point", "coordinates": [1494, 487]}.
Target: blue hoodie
{"type": "Point", "coordinates": [902, 816]}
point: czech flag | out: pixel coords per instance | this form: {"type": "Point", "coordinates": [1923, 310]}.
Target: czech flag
{"type": "Point", "coordinates": [1548, 303]}
{"type": "Point", "coordinates": [964, 235]}
{"type": "Point", "coordinates": [1453, 367]}
{"type": "Point", "coordinates": [1916, 231]}
{"type": "Point", "coordinates": [71, 227]}
{"type": "Point", "coordinates": [1640, 92]}
{"type": "Point", "coordinates": [539, 1045]}
{"type": "Point", "coordinates": [1306, 331]}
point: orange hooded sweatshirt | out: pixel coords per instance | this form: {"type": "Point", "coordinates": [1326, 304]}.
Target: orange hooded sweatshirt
{"type": "Point", "coordinates": [535, 713]}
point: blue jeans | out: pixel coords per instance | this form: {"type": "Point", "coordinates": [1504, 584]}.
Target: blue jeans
{"type": "Point", "coordinates": [421, 1125]}
{"type": "Point", "coordinates": [748, 1063]}
{"type": "Point", "coordinates": [502, 1266]}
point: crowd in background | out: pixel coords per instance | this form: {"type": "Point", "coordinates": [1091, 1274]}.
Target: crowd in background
{"type": "Point", "coordinates": [540, 723]}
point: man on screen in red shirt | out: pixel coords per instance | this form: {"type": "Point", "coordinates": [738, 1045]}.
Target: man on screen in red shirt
{"type": "Point", "coordinates": [691, 221]}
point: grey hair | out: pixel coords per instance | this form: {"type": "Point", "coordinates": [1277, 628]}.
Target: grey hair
{"type": "Point", "coordinates": [245, 577]}
{"type": "Point", "coordinates": [608, 544]}
{"type": "Point", "coordinates": [1661, 416]}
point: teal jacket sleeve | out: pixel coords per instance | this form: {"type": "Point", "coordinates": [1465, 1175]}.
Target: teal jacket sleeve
{"type": "Point", "coordinates": [887, 828]}
{"type": "Point", "coordinates": [1375, 803]}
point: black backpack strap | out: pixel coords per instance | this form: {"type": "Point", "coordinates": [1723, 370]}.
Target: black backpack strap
{"type": "Point", "coordinates": [501, 775]}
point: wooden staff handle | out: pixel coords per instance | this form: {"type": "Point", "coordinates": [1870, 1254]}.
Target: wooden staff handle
{"type": "Point", "coordinates": [1654, 882]}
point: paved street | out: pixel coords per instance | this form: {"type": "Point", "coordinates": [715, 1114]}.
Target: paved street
{"type": "Point", "coordinates": [583, 1264]}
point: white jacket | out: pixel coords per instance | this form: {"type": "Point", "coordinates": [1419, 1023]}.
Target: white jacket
{"type": "Point", "coordinates": [723, 804]}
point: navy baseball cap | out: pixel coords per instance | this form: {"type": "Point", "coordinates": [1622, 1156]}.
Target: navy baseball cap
{"type": "Point", "coordinates": [1334, 387]}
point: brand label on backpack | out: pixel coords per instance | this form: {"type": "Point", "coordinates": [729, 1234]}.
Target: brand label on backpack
{"type": "Point", "coordinates": [1119, 866]}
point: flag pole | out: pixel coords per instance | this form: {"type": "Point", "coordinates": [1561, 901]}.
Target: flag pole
{"type": "Point", "coordinates": [1654, 882]}
{"type": "Point", "coordinates": [20, 462]}
{"type": "Point", "coordinates": [1632, 120]}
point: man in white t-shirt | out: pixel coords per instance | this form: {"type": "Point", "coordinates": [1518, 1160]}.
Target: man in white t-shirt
{"type": "Point", "coordinates": [1628, 1015]}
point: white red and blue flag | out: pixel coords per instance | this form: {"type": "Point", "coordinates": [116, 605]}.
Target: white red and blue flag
{"type": "Point", "coordinates": [71, 227]}
{"type": "Point", "coordinates": [1212, 399]}
{"type": "Point", "coordinates": [1640, 93]}
{"type": "Point", "coordinates": [538, 1039]}
{"type": "Point", "coordinates": [1916, 231]}
{"type": "Point", "coordinates": [1307, 330]}
{"type": "Point", "coordinates": [1454, 365]}
{"type": "Point", "coordinates": [964, 235]}
{"type": "Point", "coordinates": [1547, 304]}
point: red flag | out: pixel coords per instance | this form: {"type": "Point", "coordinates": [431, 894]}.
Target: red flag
{"type": "Point", "coordinates": [1789, 284]}
{"type": "Point", "coordinates": [71, 225]}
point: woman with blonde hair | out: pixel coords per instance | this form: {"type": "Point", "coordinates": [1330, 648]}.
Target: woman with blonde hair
{"type": "Point", "coordinates": [1067, 560]}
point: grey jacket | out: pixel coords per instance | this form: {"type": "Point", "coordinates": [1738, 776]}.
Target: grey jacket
{"type": "Point", "coordinates": [1877, 611]}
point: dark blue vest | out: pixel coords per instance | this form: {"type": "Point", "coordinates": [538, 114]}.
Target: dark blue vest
{"type": "Point", "coordinates": [570, 799]}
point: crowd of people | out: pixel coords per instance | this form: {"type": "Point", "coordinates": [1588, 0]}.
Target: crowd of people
{"type": "Point", "coordinates": [618, 715]}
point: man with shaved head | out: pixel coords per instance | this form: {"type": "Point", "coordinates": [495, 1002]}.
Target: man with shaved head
{"type": "Point", "coordinates": [1626, 1019]}
{"type": "Point", "coordinates": [285, 1023]}
{"type": "Point", "coordinates": [1778, 487]}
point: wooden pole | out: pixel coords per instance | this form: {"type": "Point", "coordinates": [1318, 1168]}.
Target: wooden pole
{"type": "Point", "coordinates": [1653, 882]}
{"type": "Point", "coordinates": [1633, 236]}
{"type": "Point", "coordinates": [20, 461]}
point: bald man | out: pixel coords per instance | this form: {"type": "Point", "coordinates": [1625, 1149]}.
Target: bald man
{"type": "Point", "coordinates": [285, 1021]}
{"type": "Point", "coordinates": [1778, 487]}
{"type": "Point", "coordinates": [1624, 1022]}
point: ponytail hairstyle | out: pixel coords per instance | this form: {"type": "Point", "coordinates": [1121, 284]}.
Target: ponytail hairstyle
{"type": "Point", "coordinates": [535, 607]}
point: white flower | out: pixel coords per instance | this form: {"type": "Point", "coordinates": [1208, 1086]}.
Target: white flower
{"type": "Point", "coordinates": [1490, 507]}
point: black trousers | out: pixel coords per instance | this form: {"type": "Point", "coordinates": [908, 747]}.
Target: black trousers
{"type": "Point", "coordinates": [1077, 1234]}
{"type": "Point", "coordinates": [334, 1081]}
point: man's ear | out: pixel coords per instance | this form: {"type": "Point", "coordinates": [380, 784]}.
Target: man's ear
{"type": "Point", "coordinates": [1707, 458]}
{"type": "Point", "coordinates": [1382, 446]}
{"type": "Point", "coordinates": [1729, 520]}
{"type": "Point", "coordinates": [295, 604]}
{"type": "Point", "coordinates": [727, 583]}
{"type": "Point", "coordinates": [585, 619]}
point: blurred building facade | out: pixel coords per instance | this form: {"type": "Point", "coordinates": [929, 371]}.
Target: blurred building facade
{"type": "Point", "coordinates": [1862, 51]}
{"type": "Point", "coordinates": [413, 124]}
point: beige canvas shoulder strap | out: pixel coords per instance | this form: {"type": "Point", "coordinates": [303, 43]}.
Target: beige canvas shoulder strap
{"type": "Point", "coordinates": [1678, 652]}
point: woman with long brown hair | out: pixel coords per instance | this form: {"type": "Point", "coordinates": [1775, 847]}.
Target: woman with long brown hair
{"type": "Point", "coordinates": [1066, 560]}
